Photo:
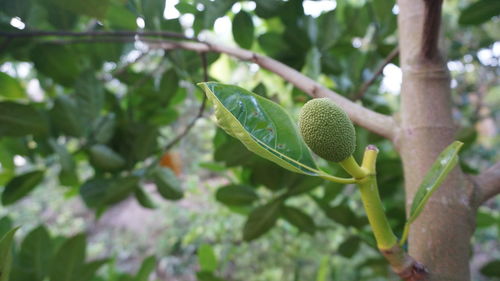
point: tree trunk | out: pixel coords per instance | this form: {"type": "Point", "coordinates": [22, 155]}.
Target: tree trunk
{"type": "Point", "coordinates": [440, 237]}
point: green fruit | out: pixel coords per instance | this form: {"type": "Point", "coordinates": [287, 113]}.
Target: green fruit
{"type": "Point", "coordinates": [104, 158]}
{"type": "Point", "coordinates": [327, 130]}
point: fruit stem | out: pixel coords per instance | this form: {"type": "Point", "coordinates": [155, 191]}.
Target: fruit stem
{"type": "Point", "coordinates": [351, 166]}
{"type": "Point", "coordinates": [373, 205]}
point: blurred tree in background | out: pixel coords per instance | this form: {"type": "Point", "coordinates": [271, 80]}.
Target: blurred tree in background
{"type": "Point", "coordinates": [102, 128]}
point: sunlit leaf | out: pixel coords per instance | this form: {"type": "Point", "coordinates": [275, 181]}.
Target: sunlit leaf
{"type": "Point", "coordinates": [261, 125]}
{"type": "Point", "coordinates": [207, 258]}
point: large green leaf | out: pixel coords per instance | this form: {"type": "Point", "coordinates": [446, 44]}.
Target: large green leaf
{"type": "Point", "coordinates": [479, 12]}
{"type": "Point", "coordinates": [243, 29]}
{"type": "Point", "coordinates": [261, 125]}
{"type": "Point", "coordinates": [18, 120]}
{"type": "Point", "coordinates": [236, 195]}
{"type": "Point", "coordinates": [6, 254]}
{"type": "Point", "coordinates": [20, 186]}
{"type": "Point", "coordinates": [69, 259]}
{"type": "Point", "coordinates": [443, 165]}
{"type": "Point", "coordinates": [261, 220]}
{"type": "Point", "coordinates": [34, 257]}
{"type": "Point", "coordinates": [59, 62]}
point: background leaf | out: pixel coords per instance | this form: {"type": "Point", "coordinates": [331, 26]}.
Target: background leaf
{"type": "Point", "coordinates": [20, 186]}
{"type": "Point", "coordinates": [261, 220]}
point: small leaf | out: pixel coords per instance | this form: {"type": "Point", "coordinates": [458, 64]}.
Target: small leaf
{"type": "Point", "coordinates": [299, 219]}
{"type": "Point", "coordinates": [6, 254]}
{"type": "Point", "coordinates": [207, 258]}
{"type": "Point", "coordinates": [69, 259]}
{"type": "Point", "coordinates": [491, 269]}
{"type": "Point", "coordinates": [19, 120]}
{"type": "Point", "coordinates": [443, 165]}
{"type": "Point", "coordinates": [144, 199]}
{"type": "Point", "coordinates": [243, 29]}
{"type": "Point", "coordinates": [20, 186]}
{"type": "Point", "coordinates": [65, 116]}
{"type": "Point", "coordinates": [261, 125]}
{"type": "Point", "coordinates": [104, 158]}
{"type": "Point", "coordinates": [147, 267]}
{"type": "Point", "coordinates": [261, 220]}
{"type": "Point", "coordinates": [479, 12]}
{"type": "Point", "coordinates": [236, 195]}
{"type": "Point", "coordinates": [167, 183]}
{"type": "Point", "coordinates": [99, 192]}
{"type": "Point", "coordinates": [349, 247]}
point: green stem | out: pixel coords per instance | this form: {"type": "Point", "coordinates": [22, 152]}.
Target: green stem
{"type": "Point", "coordinates": [352, 167]}
{"type": "Point", "coordinates": [375, 212]}
{"type": "Point", "coordinates": [405, 234]}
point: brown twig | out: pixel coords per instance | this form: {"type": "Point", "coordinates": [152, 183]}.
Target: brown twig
{"type": "Point", "coordinates": [404, 265]}
{"type": "Point", "coordinates": [116, 33]}
{"type": "Point", "coordinates": [378, 123]}
{"type": "Point", "coordinates": [488, 183]}
{"type": "Point", "coordinates": [362, 90]}
{"type": "Point", "coordinates": [200, 110]}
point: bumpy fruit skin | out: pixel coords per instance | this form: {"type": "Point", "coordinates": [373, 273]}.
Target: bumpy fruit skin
{"type": "Point", "coordinates": [327, 130]}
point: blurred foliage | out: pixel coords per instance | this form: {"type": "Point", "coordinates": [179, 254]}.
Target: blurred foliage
{"type": "Point", "coordinates": [89, 119]}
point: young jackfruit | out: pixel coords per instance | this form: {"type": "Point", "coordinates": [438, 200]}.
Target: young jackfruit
{"type": "Point", "coordinates": [327, 130]}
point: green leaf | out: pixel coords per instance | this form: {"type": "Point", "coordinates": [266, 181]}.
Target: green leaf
{"type": "Point", "coordinates": [261, 125]}
{"type": "Point", "coordinates": [99, 192]}
{"type": "Point", "coordinates": [35, 256]}
{"type": "Point", "coordinates": [5, 225]}
{"type": "Point", "coordinates": [491, 269]}
{"type": "Point", "coordinates": [92, 8]}
{"type": "Point", "coordinates": [65, 116]}
{"type": "Point", "coordinates": [19, 120]}
{"type": "Point", "coordinates": [207, 276]}
{"type": "Point", "coordinates": [243, 29]}
{"type": "Point", "coordinates": [167, 183]}
{"type": "Point", "coordinates": [479, 12]}
{"type": "Point", "coordinates": [349, 247]}
{"type": "Point", "coordinates": [88, 271]}
{"type": "Point", "coordinates": [299, 219]}
{"type": "Point", "coordinates": [144, 199]}
{"type": "Point", "coordinates": [207, 258]}
{"type": "Point", "coordinates": [20, 186]}
{"type": "Point", "coordinates": [59, 62]}
{"type": "Point", "coordinates": [443, 165]}
{"type": "Point", "coordinates": [69, 259]}
{"type": "Point", "coordinates": [104, 128]}
{"type": "Point", "coordinates": [147, 267]}
{"type": "Point", "coordinates": [236, 195]}
{"type": "Point", "coordinates": [89, 97]}
{"type": "Point", "coordinates": [261, 220]}
{"type": "Point", "coordinates": [6, 254]}
{"type": "Point", "coordinates": [10, 87]}
{"type": "Point", "coordinates": [104, 158]}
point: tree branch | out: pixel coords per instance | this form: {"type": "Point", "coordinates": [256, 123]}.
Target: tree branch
{"type": "Point", "coordinates": [188, 128]}
{"type": "Point", "coordinates": [362, 90]}
{"type": "Point", "coordinates": [378, 123]}
{"type": "Point", "coordinates": [488, 183]}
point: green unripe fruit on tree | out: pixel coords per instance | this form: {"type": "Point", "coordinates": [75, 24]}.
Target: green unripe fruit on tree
{"type": "Point", "coordinates": [327, 130]}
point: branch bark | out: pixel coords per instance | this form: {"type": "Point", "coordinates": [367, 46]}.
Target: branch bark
{"type": "Point", "coordinates": [375, 122]}
{"type": "Point", "coordinates": [488, 184]}
{"type": "Point", "coordinates": [378, 123]}
{"type": "Point", "coordinates": [404, 265]}
{"type": "Point", "coordinates": [362, 90]}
